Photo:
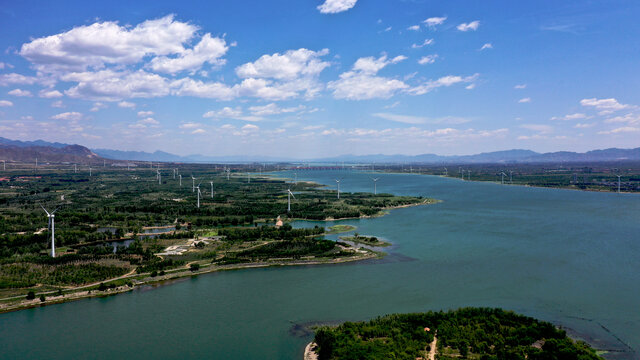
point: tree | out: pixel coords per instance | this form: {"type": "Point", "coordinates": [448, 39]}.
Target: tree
{"type": "Point", "coordinates": [31, 295]}
{"type": "Point", "coordinates": [42, 298]}
{"type": "Point", "coordinates": [194, 267]}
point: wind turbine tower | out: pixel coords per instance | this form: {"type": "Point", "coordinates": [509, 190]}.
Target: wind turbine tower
{"type": "Point", "coordinates": [199, 194]}
{"type": "Point", "coordinates": [338, 182]}
{"type": "Point", "coordinates": [375, 183]}
{"type": "Point", "coordinates": [289, 195]}
{"type": "Point", "coordinates": [52, 225]}
{"type": "Point", "coordinates": [180, 176]}
{"type": "Point", "coordinates": [211, 188]}
{"type": "Point", "coordinates": [618, 183]}
{"type": "Point", "coordinates": [503, 175]}
{"type": "Point", "coordinates": [193, 184]}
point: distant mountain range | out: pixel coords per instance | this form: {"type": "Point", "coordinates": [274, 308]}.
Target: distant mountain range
{"type": "Point", "coordinates": [29, 151]}
{"type": "Point", "coordinates": [58, 152]}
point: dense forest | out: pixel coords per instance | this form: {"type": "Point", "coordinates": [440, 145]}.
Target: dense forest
{"type": "Point", "coordinates": [468, 333]}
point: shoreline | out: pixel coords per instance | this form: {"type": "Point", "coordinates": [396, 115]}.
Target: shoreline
{"type": "Point", "coordinates": [169, 277]}
{"type": "Point", "coordinates": [524, 185]}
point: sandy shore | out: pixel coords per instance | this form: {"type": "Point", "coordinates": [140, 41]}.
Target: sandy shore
{"type": "Point", "coordinates": [310, 352]}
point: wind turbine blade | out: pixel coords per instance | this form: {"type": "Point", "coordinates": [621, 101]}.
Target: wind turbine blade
{"type": "Point", "coordinates": [54, 211]}
{"type": "Point", "coordinates": [45, 210]}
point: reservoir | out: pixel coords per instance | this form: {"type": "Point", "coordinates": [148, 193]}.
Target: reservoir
{"type": "Point", "coordinates": [565, 256]}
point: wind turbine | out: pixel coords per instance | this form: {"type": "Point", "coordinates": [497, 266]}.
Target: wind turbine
{"type": "Point", "coordinates": [503, 175]}
{"type": "Point", "coordinates": [446, 172]}
{"type": "Point", "coordinates": [52, 226]}
{"type": "Point", "coordinates": [289, 195]}
{"type": "Point", "coordinates": [180, 176]}
{"type": "Point", "coordinates": [89, 170]}
{"type": "Point", "coordinates": [375, 182]}
{"type": "Point", "coordinates": [75, 168]}
{"type": "Point", "coordinates": [159, 176]}
{"type": "Point", "coordinates": [211, 182]}
{"type": "Point", "coordinates": [228, 171]}
{"type": "Point", "coordinates": [199, 194]}
{"type": "Point", "coordinates": [338, 182]}
{"type": "Point", "coordinates": [618, 183]}
{"type": "Point", "coordinates": [296, 178]}
{"type": "Point", "coordinates": [193, 184]}
{"type": "Point", "coordinates": [510, 176]}
{"type": "Point", "coordinates": [462, 173]}
{"type": "Point", "coordinates": [248, 178]}
{"type": "Point", "coordinates": [128, 166]}
{"type": "Point", "coordinates": [174, 174]}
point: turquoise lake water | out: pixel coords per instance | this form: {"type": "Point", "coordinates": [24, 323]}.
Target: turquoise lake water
{"type": "Point", "coordinates": [564, 256]}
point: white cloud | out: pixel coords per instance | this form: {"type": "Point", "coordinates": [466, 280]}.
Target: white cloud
{"type": "Point", "coordinates": [5, 103]}
{"type": "Point", "coordinates": [145, 113]}
{"type": "Point", "coordinates": [198, 131]}
{"type": "Point", "coordinates": [469, 26]}
{"type": "Point", "coordinates": [197, 88]}
{"type": "Point", "coordinates": [470, 86]}
{"type": "Point", "coordinates": [208, 50]}
{"type": "Point", "coordinates": [486, 46]}
{"type": "Point", "coordinates": [190, 125]}
{"type": "Point", "coordinates": [149, 121]}
{"type": "Point", "coordinates": [273, 109]}
{"type": "Point", "coordinates": [429, 59]}
{"type": "Point", "coordinates": [49, 94]}
{"type": "Point", "coordinates": [567, 117]}
{"type": "Point", "coordinates": [520, 86]}
{"type": "Point", "coordinates": [14, 79]}
{"type": "Point", "coordinates": [127, 104]}
{"type": "Point", "coordinates": [336, 6]}
{"type": "Point", "coordinates": [414, 28]}
{"type": "Point", "coordinates": [107, 42]}
{"type": "Point", "coordinates": [610, 104]}
{"type": "Point", "coordinates": [424, 43]}
{"type": "Point", "coordinates": [631, 119]}
{"type": "Point", "coordinates": [524, 100]}
{"type": "Point", "coordinates": [98, 106]}
{"type": "Point", "coordinates": [73, 115]}
{"type": "Point", "coordinates": [410, 119]}
{"type": "Point", "coordinates": [250, 127]}
{"type": "Point", "coordinates": [109, 85]}
{"type": "Point", "coordinates": [444, 81]}
{"type": "Point", "coordinates": [20, 92]}
{"type": "Point", "coordinates": [290, 65]}
{"type": "Point", "coordinates": [432, 22]}
{"type": "Point", "coordinates": [625, 129]}
{"type": "Point", "coordinates": [362, 83]}
{"type": "Point", "coordinates": [230, 113]}
{"type": "Point", "coordinates": [57, 104]}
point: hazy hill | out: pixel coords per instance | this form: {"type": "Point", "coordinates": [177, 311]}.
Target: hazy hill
{"type": "Point", "coordinates": [12, 150]}
{"type": "Point", "coordinates": [68, 153]}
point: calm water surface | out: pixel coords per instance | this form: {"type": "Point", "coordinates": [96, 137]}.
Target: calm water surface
{"type": "Point", "coordinates": [565, 256]}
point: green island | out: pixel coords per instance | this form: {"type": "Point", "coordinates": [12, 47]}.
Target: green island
{"type": "Point", "coordinates": [365, 240]}
{"type": "Point", "coordinates": [467, 333]}
{"type": "Point", "coordinates": [338, 229]}
{"type": "Point", "coordinates": [116, 229]}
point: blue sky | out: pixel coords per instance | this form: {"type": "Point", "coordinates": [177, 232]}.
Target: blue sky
{"type": "Point", "coordinates": [305, 79]}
